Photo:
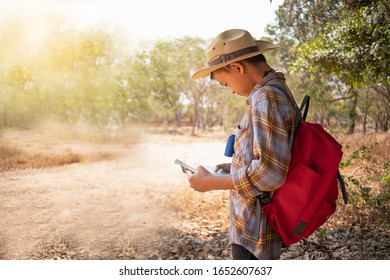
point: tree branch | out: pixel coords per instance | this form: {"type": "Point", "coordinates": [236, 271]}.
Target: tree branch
{"type": "Point", "coordinates": [341, 98]}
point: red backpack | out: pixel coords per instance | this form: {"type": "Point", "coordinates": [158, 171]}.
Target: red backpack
{"type": "Point", "coordinates": [308, 197]}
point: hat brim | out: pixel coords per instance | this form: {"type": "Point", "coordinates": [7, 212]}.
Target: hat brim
{"type": "Point", "coordinates": [208, 70]}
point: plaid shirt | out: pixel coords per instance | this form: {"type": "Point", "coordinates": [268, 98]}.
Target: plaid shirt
{"type": "Point", "coordinates": [273, 120]}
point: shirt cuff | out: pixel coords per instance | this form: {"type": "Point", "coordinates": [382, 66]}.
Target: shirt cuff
{"type": "Point", "coordinates": [242, 183]}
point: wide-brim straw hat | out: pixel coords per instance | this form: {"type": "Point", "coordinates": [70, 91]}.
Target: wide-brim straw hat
{"type": "Point", "coordinates": [230, 46]}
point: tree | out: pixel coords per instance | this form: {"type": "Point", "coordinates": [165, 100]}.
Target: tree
{"type": "Point", "coordinates": [83, 83]}
{"type": "Point", "coordinates": [350, 43]}
{"type": "Point", "coordinates": [172, 63]}
{"type": "Point", "coordinates": [297, 22]}
{"type": "Point", "coordinates": [133, 89]}
{"type": "Point", "coordinates": [190, 56]}
{"type": "Point", "coordinates": [355, 49]}
{"type": "Point", "coordinates": [163, 71]}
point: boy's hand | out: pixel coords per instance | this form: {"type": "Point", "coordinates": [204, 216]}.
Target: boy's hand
{"type": "Point", "coordinates": [200, 180]}
{"type": "Point", "coordinates": [224, 166]}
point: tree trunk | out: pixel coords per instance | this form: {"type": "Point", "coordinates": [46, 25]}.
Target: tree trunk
{"type": "Point", "coordinates": [352, 112]}
{"type": "Point", "coordinates": [178, 118]}
{"type": "Point", "coordinates": [365, 121]}
{"type": "Point", "coordinates": [196, 117]}
{"type": "Point", "coordinates": [385, 127]}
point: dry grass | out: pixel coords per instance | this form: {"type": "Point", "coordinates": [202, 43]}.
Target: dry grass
{"type": "Point", "coordinates": [3, 248]}
{"type": "Point", "coordinates": [12, 158]}
{"type": "Point", "coordinates": [55, 145]}
{"type": "Point", "coordinates": [62, 248]}
{"type": "Point", "coordinates": [366, 170]}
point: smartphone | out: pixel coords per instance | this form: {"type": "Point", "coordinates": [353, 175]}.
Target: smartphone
{"type": "Point", "coordinates": [185, 167]}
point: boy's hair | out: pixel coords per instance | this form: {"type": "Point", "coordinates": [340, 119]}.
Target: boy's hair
{"type": "Point", "coordinates": [251, 60]}
{"type": "Point", "coordinates": [256, 59]}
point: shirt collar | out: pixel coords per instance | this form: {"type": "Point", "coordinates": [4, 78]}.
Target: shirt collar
{"type": "Point", "coordinates": [264, 81]}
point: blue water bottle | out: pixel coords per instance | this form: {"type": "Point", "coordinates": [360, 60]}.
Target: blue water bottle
{"type": "Point", "coordinates": [229, 150]}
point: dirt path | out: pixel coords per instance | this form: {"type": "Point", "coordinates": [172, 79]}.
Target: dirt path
{"type": "Point", "coordinates": [94, 205]}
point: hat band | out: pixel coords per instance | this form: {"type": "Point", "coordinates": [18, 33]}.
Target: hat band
{"type": "Point", "coordinates": [229, 56]}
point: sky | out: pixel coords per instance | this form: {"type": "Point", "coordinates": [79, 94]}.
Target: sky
{"type": "Point", "coordinates": [150, 20]}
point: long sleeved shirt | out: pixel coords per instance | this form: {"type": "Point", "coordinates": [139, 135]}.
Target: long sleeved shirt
{"type": "Point", "coordinates": [263, 167]}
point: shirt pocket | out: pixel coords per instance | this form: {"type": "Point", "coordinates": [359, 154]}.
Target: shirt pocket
{"type": "Point", "coordinates": [241, 148]}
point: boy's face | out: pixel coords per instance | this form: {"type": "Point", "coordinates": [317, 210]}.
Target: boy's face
{"type": "Point", "coordinates": [233, 78]}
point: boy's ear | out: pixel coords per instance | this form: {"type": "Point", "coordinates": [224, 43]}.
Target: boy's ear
{"type": "Point", "coordinates": [236, 67]}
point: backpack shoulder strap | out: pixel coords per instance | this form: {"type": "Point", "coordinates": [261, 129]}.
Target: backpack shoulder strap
{"type": "Point", "coordinates": [305, 105]}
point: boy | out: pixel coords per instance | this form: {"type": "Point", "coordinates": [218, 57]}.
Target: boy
{"type": "Point", "coordinates": [236, 61]}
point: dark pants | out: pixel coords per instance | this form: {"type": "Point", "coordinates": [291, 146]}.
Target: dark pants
{"type": "Point", "coordinates": [240, 253]}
